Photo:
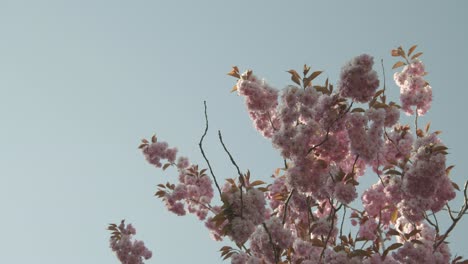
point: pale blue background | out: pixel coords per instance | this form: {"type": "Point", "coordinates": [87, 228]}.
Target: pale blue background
{"type": "Point", "coordinates": [81, 82]}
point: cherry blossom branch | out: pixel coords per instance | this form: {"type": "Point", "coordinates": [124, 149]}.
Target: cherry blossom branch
{"type": "Point", "coordinates": [271, 122]}
{"type": "Point", "coordinates": [272, 244]}
{"type": "Point", "coordinates": [334, 210]}
{"type": "Point", "coordinates": [462, 211]}
{"type": "Point", "coordinates": [286, 205]}
{"type": "Point", "coordinates": [328, 129]}
{"type": "Point", "coordinates": [342, 221]}
{"type": "Point", "coordinates": [229, 154]}
{"type": "Point", "coordinates": [206, 206]}
{"type": "Point", "coordinates": [416, 122]}
{"type": "Point", "coordinates": [241, 177]}
{"type": "Point", "coordinates": [452, 211]}
{"type": "Point", "coordinates": [200, 144]}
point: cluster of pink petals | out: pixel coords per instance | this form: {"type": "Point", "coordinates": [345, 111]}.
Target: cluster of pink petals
{"type": "Point", "coordinates": [340, 257]}
{"type": "Point", "coordinates": [425, 183]}
{"type": "Point", "coordinates": [327, 146]}
{"type": "Point", "coordinates": [414, 90]}
{"type": "Point", "coordinates": [128, 251]}
{"type": "Point", "coordinates": [216, 231]}
{"type": "Point", "coordinates": [345, 192]}
{"type": "Point", "coordinates": [261, 102]}
{"type": "Point", "coordinates": [248, 212]}
{"type": "Point", "coordinates": [195, 191]}
{"type": "Point", "coordinates": [397, 147]}
{"type": "Point", "coordinates": [380, 199]}
{"type": "Point", "coordinates": [422, 252]}
{"type": "Point", "coordinates": [368, 229]}
{"type": "Point", "coordinates": [358, 80]}
{"type": "Point", "coordinates": [261, 245]}
{"type": "Point", "coordinates": [366, 141]}
{"type": "Point", "coordinates": [157, 151]}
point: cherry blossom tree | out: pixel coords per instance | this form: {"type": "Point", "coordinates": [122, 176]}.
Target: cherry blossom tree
{"type": "Point", "coordinates": [329, 138]}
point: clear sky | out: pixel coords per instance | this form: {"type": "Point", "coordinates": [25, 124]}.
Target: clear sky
{"type": "Point", "coordinates": [81, 82]}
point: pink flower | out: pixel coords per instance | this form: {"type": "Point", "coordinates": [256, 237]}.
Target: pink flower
{"type": "Point", "coordinates": [128, 252]}
{"type": "Point", "coordinates": [414, 90]}
{"type": "Point", "coordinates": [357, 80]}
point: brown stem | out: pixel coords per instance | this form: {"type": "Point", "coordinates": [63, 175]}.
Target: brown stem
{"type": "Point", "coordinates": [456, 219]}
{"type": "Point", "coordinates": [241, 177]}
{"type": "Point", "coordinates": [286, 205]}
{"type": "Point", "coordinates": [200, 144]}
{"type": "Point", "coordinates": [275, 251]}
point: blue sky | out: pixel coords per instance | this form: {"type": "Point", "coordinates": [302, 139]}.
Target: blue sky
{"type": "Point", "coordinates": [81, 82]}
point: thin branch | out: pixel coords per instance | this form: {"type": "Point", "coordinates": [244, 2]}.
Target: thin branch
{"type": "Point", "coordinates": [229, 154]}
{"type": "Point", "coordinates": [271, 122]}
{"type": "Point", "coordinates": [272, 244]}
{"type": "Point", "coordinates": [378, 173]}
{"type": "Point", "coordinates": [416, 122]}
{"type": "Point", "coordinates": [383, 73]}
{"type": "Point", "coordinates": [342, 221]}
{"type": "Point", "coordinates": [354, 164]}
{"type": "Point", "coordinates": [241, 177]}
{"type": "Point", "coordinates": [329, 232]}
{"type": "Point", "coordinates": [286, 205]}
{"type": "Point", "coordinates": [328, 129]}
{"type": "Point", "coordinates": [450, 211]}
{"type": "Point", "coordinates": [430, 222]}
{"type": "Point", "coordinates": [203, 152]}
{"type": "Point", "coordinates": [436, 221]}
{"type": "Point", "coordinates": [456, 219]}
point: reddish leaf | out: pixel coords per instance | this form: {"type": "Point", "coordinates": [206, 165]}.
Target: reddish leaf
{"type": "Point", "coordinates": [416, 55]}
{"type": "Point", "coordinates": [398, 64]}
{"type": "Point", "coordinates": [411, 50]}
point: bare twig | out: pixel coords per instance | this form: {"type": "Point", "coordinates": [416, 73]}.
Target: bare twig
{"type": "Point", "coordinates": [456, 219]}
{"type": "Point", "coordinates": [333, 214]}
{"type": "Point", "coordinates": [229, 154]}
{"type": "Point", "coordinates": [203, 152]}
{"type": "Point", "coordinates": [241, 177]}
{"type": "Point", "coordinates": [416, 122]}
{"type": "Point", "coordinates": [271, 122]}
{"type": "Point", "coordinates": [275, 251]}
{"type": "Point", "coordinates": [342, 221]}
{"type": "Point", "coordinates": [286, 205]}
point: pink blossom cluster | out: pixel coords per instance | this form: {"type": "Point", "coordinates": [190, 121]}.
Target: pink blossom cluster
{"type": "Point", "coordinates": [358, 80]}
{"type": "Point", "coordinates": [345, 192]}
{"type": "Point", "coordinates": [216, 231]}
{"type": "Point", "coordinates": [398, 146]}
{"type": "Point", "coordinates": [422, 251]}
{"type": "Point", "coordinates": [157, 151]}
{"type": "Point", "coordinates": [261, 102]}
{"type": "Point", "coordinates": [425, 184]}
{"type": "Point", "coordinates": [327, 145]}
{"type": "Point", "coordinates": [380, 199]}
{"type": "Point", "coordinates": [195, 190]}
{"type": "Point", "coordinates": [128, 251]}
{"type": "Point", "coordinates": [265, 242]}
{"type": "Point", "coordinates": [414, 90]}
{"type": "Point", "coordinates": [247, 213]}
{"type": "Point", "coordinates": [366, 141]}
{"type": "Point", "coordinates": [340, 257]}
